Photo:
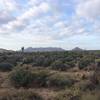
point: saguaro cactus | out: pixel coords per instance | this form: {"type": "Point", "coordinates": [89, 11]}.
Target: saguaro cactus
{"type": "Point", "coordinates": [22, 49]}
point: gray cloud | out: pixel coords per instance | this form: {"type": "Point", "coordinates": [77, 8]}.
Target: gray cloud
{"type": "Point", "coordinates": [5, 17]}
{"type": "Point", "coordinates": [89, 9]}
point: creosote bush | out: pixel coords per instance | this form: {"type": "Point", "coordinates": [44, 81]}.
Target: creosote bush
{"type": "Point", "coordinates": [6, 67]}
{"type": "Point", "coordinates": [85, 86]}
{"type": "Point", "coordinates": [84, 63]}
{"type": "Point", "coordinates": [59, 65]}
{"type": "Point", "coordinates": [21, 76]}
{"type": "Point", "coordinates": [60, 81]}
{"type": "Point", "coordinates": [40, 78]}
{"type": "Point", "coordinates": [95, 79]}
{"type": "Point", "coordinates": [27, 60]}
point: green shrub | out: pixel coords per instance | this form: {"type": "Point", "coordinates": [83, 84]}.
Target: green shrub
{"type": "Point", "coordinates": [40, 78]}
{"type": "Point", "coordinates": [60, 81]}
{"type": "Point", "coordinates": [46, 79]}
{"type": "Point", "coordinates": [39, 61]}
{"type": "Point", "coordinates": [86, 86]}
{"type": "Point", "coordinates": [95, 79]}
{"type": "Point", "coordinates": [47, 62]}
{"type": "Point", "coordinates": [5, 67]}
{"type": "Point", "coordinates": [21, 76]}
{"type": "Point", "coordinates": [70, 64]}
{"type": "Point", "coordinates": [27, 60]}
{"type": "Point", "coordinates": [84, 63]}
{"type": "Point", "coordinates": [44, 62]}
{"type": "Point", "coordinates": [98, 62]}
{"type": "Point", "coordinates": [59, 65]}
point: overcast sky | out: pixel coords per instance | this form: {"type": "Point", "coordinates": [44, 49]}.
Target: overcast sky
{"type": "Point", "coordinates": [50, 23]}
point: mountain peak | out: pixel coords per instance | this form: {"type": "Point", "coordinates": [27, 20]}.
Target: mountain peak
{"type": "Point", "coordinates": [77, 49]}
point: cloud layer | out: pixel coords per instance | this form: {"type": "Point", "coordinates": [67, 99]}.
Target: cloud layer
{"type": "Point", "coordinates": [47, 21]}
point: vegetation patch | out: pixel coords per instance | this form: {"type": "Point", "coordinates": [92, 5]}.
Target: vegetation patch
{"type": "Point", "coordinates": [5, 66]}
{"type": "Point", "coordinates": [20, 94]}
{"type": "Point", "coordinates": [60, 81]}
{"type": "Point", "coordinates": [21, 77]}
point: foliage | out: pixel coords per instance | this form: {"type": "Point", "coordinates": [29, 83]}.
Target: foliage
{"type": "Point", "coordinates": [67, 95]}
{"type": "Point", "coordinates": [84, 63]}
{"type": "Point", "coordinates": [6, 66]}
{"type": "Point", "coordinates": [98, 62]}
{"type": "Point", "coordinates": [20, 94]}
{"type": "Point", "coordinates": [85, 86]}
{"type": "Point", "coordinates": [21, 76]}
{"type": "Point", "coordinates": [27, 60]}
{"type": "Point", "coordinates": [59, 65]}
{"type": "Point", "coordinates": [40, 78]}
{"type": "Point", "coordinates": [91, 96]}
{"type": "Point", "coordinates": [95, 79]}
{"type": "Point", "coordinates": [60, 81]}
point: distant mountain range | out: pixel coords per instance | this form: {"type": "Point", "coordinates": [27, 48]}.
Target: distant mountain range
{"type": "Point", "coordinates": [48, 49]}
{"type": "Point", "coordinates": [41, 49]}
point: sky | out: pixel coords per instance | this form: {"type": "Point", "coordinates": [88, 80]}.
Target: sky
{"type": "Point", "coordinates": [50, 23]}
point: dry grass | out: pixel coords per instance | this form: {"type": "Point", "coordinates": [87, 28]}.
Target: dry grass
{"type": "Point", "coordinates": [48, 93]}
{"type": "Point", "coordinates": [19, 94]}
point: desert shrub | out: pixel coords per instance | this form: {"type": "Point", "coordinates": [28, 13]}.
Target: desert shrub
{"type": "Point", "coordinates": [6, 67]}
{"type": "Point", "coordinates": [27, 77]}
{"type": "Point", "coordinates": [11, 60]}
{"type": "Point", "coordinates": [95, 79]}
{"type": "Point", "coordinates": [66, 95]}
{"type": "Point", "coordinates": [2, 58]}
{"type": "Point", "coordinates": [21, 76]}
{"type": "Point", "coordinates": [84, 63]}
{"type": "Point", "coordinates": [44, 62]}
{"type": "Point", "coordinates": [59, 65]}
{"type": "Point", "coordinates": [70, 64]}
{"type": "Point", "coordinates": [46, 79]}
{"type": "Point", "coordinates": [39, 61]}
{"type": "Point", "coordinates": [86, 86]}
{"type": "Point", "coordinates": [98, 62]}
{"type": "Point", "coordinates": [40, 78]}
{"type": "Point", "coordinates": [91, 96]}
{"type": "Point", "coordinates": [61, 96]}
{"type": "Point", "coordinates": [21, 94]}
{"type": "Point", "coordinates": [47, 62]}
{"type": "Point", "coordinates": [60, 81]}
{"type": "Point", "coordinates": [27, 60]}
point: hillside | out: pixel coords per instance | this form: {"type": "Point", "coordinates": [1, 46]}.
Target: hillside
{"type": "Point", "coordinates": [5, 51]}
